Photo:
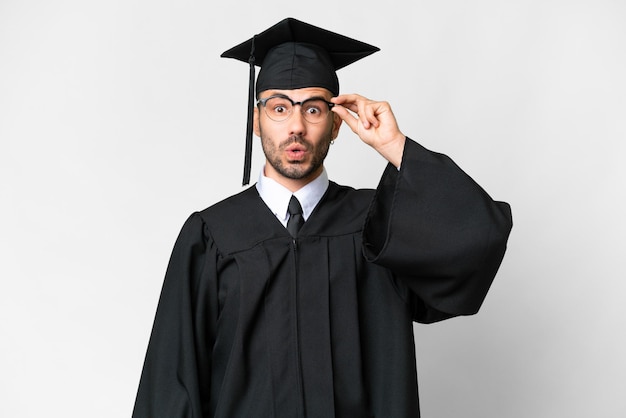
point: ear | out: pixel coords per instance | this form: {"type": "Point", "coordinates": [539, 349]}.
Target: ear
{"type": "Point", "coordinates": [256, 126]}
{"type": "Point", "coordinates": [336, 125]}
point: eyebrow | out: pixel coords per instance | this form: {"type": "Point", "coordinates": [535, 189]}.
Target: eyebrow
{"type": "Point", "coordinates": [284, 96]}
{"type": "Point", "coordinates": [316, 98]}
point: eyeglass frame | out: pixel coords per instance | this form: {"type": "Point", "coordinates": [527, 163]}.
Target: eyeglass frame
{"type": "Point", "coordinates": [293, 104]}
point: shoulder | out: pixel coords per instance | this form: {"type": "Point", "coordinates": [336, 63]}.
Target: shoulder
{"type": "Point", "coordinates": [221, 212]}
{"type": "Point", "coordinates": [231, 207]}
{"type": "Point", "coordinates": [242, 221]}
{"type": "Point", "coordinates": [239, 222]}
{"type": "Point", "coordinates": [346, 199]}
{"type": "Point", "coordinates": [341, 211]}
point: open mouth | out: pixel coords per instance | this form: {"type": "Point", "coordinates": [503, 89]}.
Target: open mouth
{"type": "Point", "coordinates": [295, 152]}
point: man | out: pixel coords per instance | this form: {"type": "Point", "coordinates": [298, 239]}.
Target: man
{"type": "Point", "coordinates": [296, 297]}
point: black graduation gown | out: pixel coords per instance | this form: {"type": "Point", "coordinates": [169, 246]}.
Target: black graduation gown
{"type": "Point", "coordinates": [252, 323]}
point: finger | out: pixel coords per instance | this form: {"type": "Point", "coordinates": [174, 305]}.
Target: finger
{"type": "Point", "coordinates": [366, 110]}
{"type": "Point", "coordinates": [342, 102]}
{"type": "Point", "coordinates": [344, 99]}
{"type": "Point", "coordinates": [371, 113]}
{"type": "Point", "coordinates": [349, 101]}
{"type": "Point", "coordinates": [366, 113]}
{"type": "Point", "coordinates": [350, 106]}
{"type": "Point", "coordinates": [347, 117]}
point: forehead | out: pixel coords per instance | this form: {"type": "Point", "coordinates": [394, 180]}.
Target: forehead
{"type": "Point", "coordinates": [299, 94]}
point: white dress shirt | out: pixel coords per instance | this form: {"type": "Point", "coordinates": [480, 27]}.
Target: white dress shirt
{"type": "Point", "coordinates": [276, 196]}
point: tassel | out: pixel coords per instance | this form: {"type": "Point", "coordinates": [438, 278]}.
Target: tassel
{"type": "Point", "coordinates": [248, 152]}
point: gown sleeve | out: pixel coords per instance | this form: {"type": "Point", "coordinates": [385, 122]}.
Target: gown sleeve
{"type": "Point", "coordinates": [439, 233]}
{"type": "Point", "coordinates": [176, 373]}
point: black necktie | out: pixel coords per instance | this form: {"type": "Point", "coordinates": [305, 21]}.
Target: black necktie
{"type": "Point", "coordinates": [296, 220]}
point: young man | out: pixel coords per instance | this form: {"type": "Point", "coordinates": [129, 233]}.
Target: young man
{"type": "Point", "coordinates": [296, 297]}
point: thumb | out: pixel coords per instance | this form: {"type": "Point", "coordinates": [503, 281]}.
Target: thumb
{"type": "Point", "coordinates": [347, 117]}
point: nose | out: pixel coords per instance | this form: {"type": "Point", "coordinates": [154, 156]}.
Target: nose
{"type": "Point", "coordinates": [297, 124]}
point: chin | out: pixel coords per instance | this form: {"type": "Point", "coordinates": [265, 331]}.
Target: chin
{"type": "Point", "coordinates": [297, 171]}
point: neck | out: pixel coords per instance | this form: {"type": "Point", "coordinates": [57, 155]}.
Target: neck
{"type": "Point", "coordinates": [293, 185]}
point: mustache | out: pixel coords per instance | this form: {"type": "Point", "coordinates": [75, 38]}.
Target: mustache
{"type": "Point", "coordinates": [295, 139]}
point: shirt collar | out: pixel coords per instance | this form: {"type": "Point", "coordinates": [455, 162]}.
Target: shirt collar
{"type": "Point", "coordinates": [276, 196]}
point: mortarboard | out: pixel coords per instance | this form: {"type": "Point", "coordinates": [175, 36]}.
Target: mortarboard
{"type": "Point", "coordinates": [292, 55]}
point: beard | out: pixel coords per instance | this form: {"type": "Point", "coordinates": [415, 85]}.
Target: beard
{"type": "Point", "coordinates": [296, 170]}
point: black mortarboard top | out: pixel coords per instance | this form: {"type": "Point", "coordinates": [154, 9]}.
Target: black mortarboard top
{"type": "Point", "coordinates": [292, 55]}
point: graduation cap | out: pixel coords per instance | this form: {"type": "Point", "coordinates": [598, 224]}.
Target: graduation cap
{"type": "Point", "coordinates": [293, 55]}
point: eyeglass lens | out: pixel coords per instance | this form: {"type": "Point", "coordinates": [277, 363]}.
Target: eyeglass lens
{"type": "Point", "coordinates": [280, 108]}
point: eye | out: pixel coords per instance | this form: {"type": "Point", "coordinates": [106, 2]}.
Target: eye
{"type": "Point", "coordinates": [279, 109]}
{"type": "Point", "coordinates": [278, 106]}
{"type": "Point", "coordinates": [312, 110]}
{"type": "Point", "coordinates": [314, 107]}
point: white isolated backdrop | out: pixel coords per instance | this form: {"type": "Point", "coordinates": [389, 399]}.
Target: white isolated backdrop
{"type": "Point", "coordinates": [118, 119]}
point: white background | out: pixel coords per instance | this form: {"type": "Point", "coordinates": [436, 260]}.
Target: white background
{"type": "Point", "coordinates": [118, 119]}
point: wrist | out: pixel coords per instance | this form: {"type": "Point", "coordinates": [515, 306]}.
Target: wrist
{"type": "Point", "coordinates": [393, 150]}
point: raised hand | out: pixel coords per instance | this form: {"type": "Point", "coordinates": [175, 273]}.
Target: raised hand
{"type": "Point", "coordinates": [374, 123]}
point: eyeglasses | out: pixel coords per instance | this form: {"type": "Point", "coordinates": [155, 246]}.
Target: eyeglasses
{"type": "Point", "coordinates": [279, 108]}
